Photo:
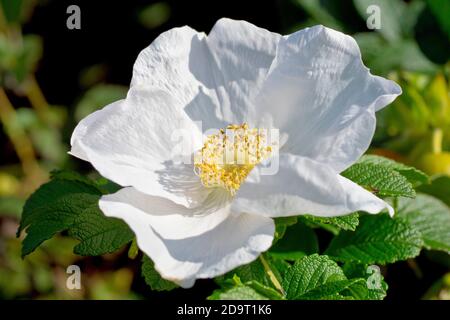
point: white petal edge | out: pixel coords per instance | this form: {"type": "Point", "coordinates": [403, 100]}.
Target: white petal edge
{"type": "Point", "coordinates": [141, 142]}
{"type": "Point", "coordinates": [304, 186]}
{"type": "Point", "coordinates": [321, 95]}
{"type": "Point", "coordinates": [215, 77]}
{"type": "Point", "coordinates": [223, 245]}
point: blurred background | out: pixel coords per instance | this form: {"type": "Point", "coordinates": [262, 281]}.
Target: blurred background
{"type": "Point", "coordinates": [51, 77]}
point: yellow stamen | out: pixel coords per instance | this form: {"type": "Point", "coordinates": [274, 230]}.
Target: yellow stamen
{"type": "Point", "coordinates": [228, 156]}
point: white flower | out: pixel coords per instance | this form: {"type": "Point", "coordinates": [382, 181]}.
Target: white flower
{"type": "Point", "coordinates": [200, 222]}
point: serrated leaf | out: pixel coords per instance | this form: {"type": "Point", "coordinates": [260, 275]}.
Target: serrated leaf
{"type": "Point", "coordinates": [51, 192]}
{"type": "Point", "coordinates": [309, 273]}
{"type": "Point", "coordinates": [240, 292]}
{"type": "Point", "coordinates": [103, 185]}
{"type": "Point", "coordinates": [152, 277]}
{"type": "Point", "coordinates": [348, 222]}
{"type": "Point", "coordinates": [361, 291]}
{"type": "Point", "coordinates": [298, 241]}
{"type": "Point", "coordinates": [97, 234]}
{"type": "Point", "coordinates": [331, 290]}
{"type": "Point", "coordinates": [430, 217]}
{"type": "Point", "coordinates": [378, 239]}
{"type": "Point", "coordinates": [415, 176]}
{"type": "Point", "coordinates": [71, 205]}
{"type": "Point", "coordinates": [380, 180]}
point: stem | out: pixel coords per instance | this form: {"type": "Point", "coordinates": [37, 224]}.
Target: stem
{"type": "Point", "coordinates": [438, 135]}
{"type": "Point", "coordinates": [395, 204]}
{"type": "Point", "coordinates": [18, 137]}
{"type": "Point", "coordinates": [37, 98]}
{"type": "Point", "coordinates": [271, 275]}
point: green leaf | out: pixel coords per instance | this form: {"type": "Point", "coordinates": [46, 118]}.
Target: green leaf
{"type": "Point", "coordinates": [74, 176]}
{"type": "Point", "coordinates": [32, 52]}
{"type": "Point", "coordinates": [404, 54]}
{"type": "Point", "coordinates": [98, 234]}
{"type": "Point", "coordinates": [71, 205]}
{"type": "Point", "coordinates": [152, 277]}
{"type": "Point", "coordinates": [281, 225]}
{"type": "Point", "coordinates": [430, 217]}
{"type": "Point", "coordinates": [11, 10]}
{"type": "Point", "coordinates": [380, 179]}
{"type": "Point", "coordinates": [414, 176]}
{"type": "Point", "coordinates": [319, 12]}
{"type": "Point", "coordinates": [49, 193]}
{"type": "Point", "coordinates": [331, 290]}
{"type": "Point", "coordinates": [240, 292]}
{"type": "Point", "coordinates": [440, 9]}
{"type": "Point", "coordinates": [298, 241]}
{"type": "Point", "coordinates": [378, 239]}
{"type": "Point", "coordinates": [348, 222]}
{"type": "Point", "coordinates": [154, 15]}
{"type": "Point", "coordinates": [391, 12]}
{"type": "Point", "coordinates": [372, 274]}
{"type": "Point", "coordinates": [439, 188]}
{"type": "Point", "coordinates": [97, 97]}
{"type": "Point", "coordinates": [310, 273]}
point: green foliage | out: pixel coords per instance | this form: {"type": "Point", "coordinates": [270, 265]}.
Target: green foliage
{"type": "Point", "coordinates": [413, 175]}
{"type": "Point", "coordinates": [334, 224]}
{"type": "Point", "coordinates": [320, 278]}
{"type": "Point", "coordinates": [378, 239]}
{"type": "Point", "coordinates": [318, 12]}
{"type": "Point", "coordinates": [385, 177]}
{"type": "Point", "coordinates": [97, 97]}
{"type": "Point", "coordinates": [439, 188]}
{"type": "Point", "coordinates": [440, 9]}
{"type": "Point", "coordinates": [253, 271]}
{"type": "Point", "coordinates": [234, 289]}
{"type": "Point", "coordinates": [370, 274]}
{"type": "Point", "coordinates": [431, 218]}
{"type": "Point", "coordinates": [360, 242]}
{"type": "Point", "coordinates": [281, 225]}
{"type": "Point", "coordinates": [154, 15]}
{"type": "Point", "coordinates": [390, 13]}
{"type": "Point", "coordinates": [70, 202]}
{"type": "Point", "coordinates": [11, 10]}
{"type": "Point", "coordinates": [240, 292]}
{"type": "Point", "coordinates": [152, 277]}
{"type": "Point", "coordinates": [20, 59]}
{"type": "Point", "coordinates": [45, 135]}
{"type": "Point", "coordinates": [298, 241]}
{"type": "Point", "coordinates": [310, 273]}
{"type": "Point", "coordinates": [391, 47]}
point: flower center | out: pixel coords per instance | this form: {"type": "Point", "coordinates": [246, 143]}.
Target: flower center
{"type": "Point", "coordinates": [228, 156]}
